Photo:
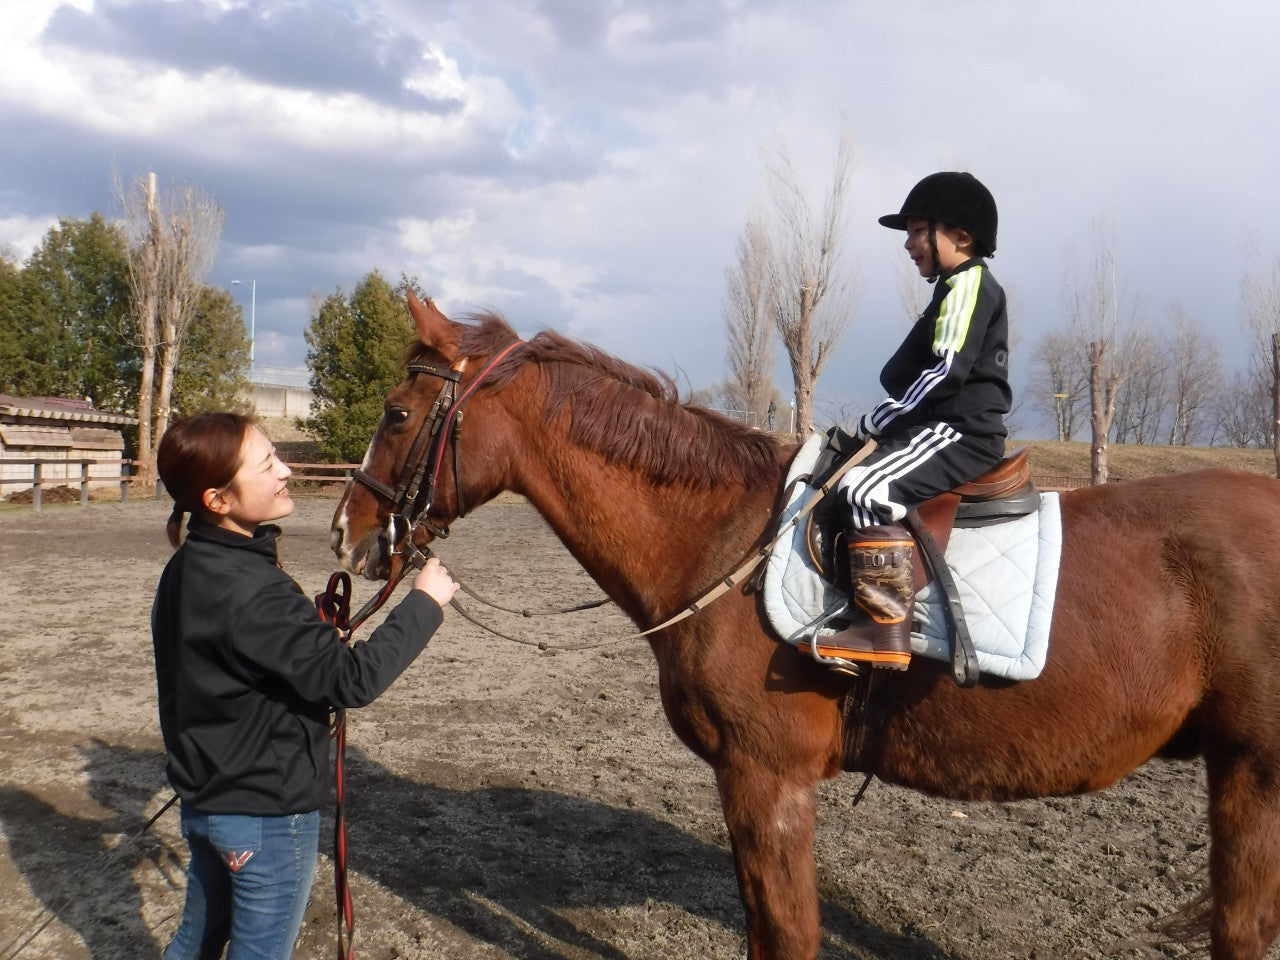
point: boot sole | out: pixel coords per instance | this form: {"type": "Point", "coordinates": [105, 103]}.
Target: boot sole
{"type": "Point", "coordinates": [891, 660]}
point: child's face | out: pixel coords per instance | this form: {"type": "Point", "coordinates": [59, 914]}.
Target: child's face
{"type": "Point", "coordinates": [954, 247]}
{"type": "Point", "coordinates": [257, 493]}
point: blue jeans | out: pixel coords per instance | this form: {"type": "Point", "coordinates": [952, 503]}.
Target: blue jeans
{"type": "Point", "coordinates": [247, 884]}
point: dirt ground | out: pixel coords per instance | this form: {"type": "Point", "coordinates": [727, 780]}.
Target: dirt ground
{"type": "Point", "coordinates": [512, 802]}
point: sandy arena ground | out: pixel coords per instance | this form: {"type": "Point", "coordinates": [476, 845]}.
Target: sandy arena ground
{"type": "Point", "coordinates": [511, 802]}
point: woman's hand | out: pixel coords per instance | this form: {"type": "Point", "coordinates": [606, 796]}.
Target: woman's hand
{"type": "Point", "coordinates": [434, 580]}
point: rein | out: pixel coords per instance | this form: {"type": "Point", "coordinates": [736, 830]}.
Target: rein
{"type": "Point", "coordinates": [410, 501]}
{"type": "Point", "coordinates": [334, 606]}
{"type": "Point", "coordinates": [718, 589]}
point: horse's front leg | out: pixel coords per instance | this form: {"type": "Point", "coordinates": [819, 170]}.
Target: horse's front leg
{"type": "Point", "coordinates": [771, 824]}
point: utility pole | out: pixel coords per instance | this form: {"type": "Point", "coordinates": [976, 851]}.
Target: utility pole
{"type": "Point", "coordinates": [253, 309]}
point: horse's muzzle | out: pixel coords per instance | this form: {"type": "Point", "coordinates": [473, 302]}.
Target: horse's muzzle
{"type": "Point", "coordinates": [370, 557]}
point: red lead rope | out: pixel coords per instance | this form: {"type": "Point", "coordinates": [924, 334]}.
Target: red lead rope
{"type": "Point", "coordinates": [335, 608]}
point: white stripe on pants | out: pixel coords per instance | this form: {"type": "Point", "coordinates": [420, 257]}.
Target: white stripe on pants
{"type": "Point", "coordinates": [866, 487]}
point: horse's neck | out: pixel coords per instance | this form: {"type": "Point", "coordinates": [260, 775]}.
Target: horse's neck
{"type": "Point", "coordinates": [651, 548]}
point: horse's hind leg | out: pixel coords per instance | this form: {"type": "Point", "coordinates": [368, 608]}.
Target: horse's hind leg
{"type": "Point", "coordinates": [1244, 856]}
{"type": "Point", "coordinates": [771, 825]}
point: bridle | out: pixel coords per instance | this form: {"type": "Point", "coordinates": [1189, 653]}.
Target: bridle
{"type": "Point", "coordinates": [415, 491]}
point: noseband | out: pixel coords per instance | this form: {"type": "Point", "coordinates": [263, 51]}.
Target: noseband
{"type": "Point", "coordinates": [415, 491]}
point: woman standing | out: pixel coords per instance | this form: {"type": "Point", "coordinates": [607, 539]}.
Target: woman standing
{"type": "Point", "coordinates": [247, 672]}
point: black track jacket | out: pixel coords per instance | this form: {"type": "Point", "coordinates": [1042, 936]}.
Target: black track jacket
{"type": "Point", "coordinates": [247, 671]}
{"type": "Point", "coordinates": [953, 366]}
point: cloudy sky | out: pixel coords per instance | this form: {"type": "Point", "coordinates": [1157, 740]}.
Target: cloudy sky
{"type": "Point", "coordinates": [588, 165]}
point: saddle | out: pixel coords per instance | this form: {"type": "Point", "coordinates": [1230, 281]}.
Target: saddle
{"type": "Point", "coordinates": [1004, 492]}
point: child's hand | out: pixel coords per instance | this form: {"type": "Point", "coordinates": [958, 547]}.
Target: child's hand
{"type": "Point", "coordinates": [434, 580]}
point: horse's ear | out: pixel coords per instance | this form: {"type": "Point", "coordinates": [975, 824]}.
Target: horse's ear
{"type": "Point", "coordinates": [434, 328]}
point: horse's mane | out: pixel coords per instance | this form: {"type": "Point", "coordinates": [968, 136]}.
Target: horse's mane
{"type": "Point", "coordinates": [632, 417]}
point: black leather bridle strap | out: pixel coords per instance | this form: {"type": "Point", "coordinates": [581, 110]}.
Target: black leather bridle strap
{"type": "Point", "coordinates": [415, 464]}
{"type": "Point", "coordinates": [454, 417]}
{"type": "Point", "coordinates": [404, 494]}
{"type": "Point", "coordinates": [415, 490]}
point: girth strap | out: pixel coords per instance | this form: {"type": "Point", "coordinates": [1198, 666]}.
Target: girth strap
{"type": "Point", "coordinates": [964, 658]}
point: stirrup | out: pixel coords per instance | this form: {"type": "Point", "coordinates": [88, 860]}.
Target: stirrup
{"type": "Point", "coordinates": [852, 667]}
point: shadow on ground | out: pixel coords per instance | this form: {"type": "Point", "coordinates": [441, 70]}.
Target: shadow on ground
{"type": "Point", "coordinates": [513, 868]}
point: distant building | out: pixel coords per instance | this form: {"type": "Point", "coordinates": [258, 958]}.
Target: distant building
{"type": "Point", "coordinates": [281, 392]}
{"type": "Point", "coordinates": [275, 401]}
{"type": "Point", "coordinates": [63, 432]}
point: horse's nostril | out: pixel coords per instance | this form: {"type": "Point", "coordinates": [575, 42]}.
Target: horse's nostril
{"type": "Point", "coordinates": [335, 540]}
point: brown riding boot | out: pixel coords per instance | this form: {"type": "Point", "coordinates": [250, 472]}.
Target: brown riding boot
{"type": "Point", "coordinates": [883, 590]}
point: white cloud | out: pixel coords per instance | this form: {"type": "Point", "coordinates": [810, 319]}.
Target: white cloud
{"type": "Point", "coordinates": [590, 165]}
{"type": "Point", "coordinates": [21, 234]}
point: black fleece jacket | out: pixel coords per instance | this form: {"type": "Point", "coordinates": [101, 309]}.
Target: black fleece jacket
{"type": "Point", "coordinates": [247, 672]}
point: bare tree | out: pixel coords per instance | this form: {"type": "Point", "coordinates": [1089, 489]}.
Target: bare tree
{"type": "Point", "coordinates": [1241, 409]}
{"type": "Point", "coordinates": [1143, 399]}
{"type": "Point", "coordinates": [1262, 315]}
{"type": "Point", "coordinates": [1063, 374]}
{"type": "Point", "coordinates": [813, 305]}
{"type": "Point", "coordinates": [173, 244]}
{"type": "Point", "coordinates": [146, 240]}
{"type": "Point", "coordinates": [748, 314]}
{"type": "Point", "coordinates": [1104, 381]}
{"type": "Point", "coordinates": [1097, 317]}
{"type": "Point", "coordinates": [1194, 370]}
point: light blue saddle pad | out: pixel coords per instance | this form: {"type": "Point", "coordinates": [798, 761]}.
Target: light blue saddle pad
{"type": "Point", "coordinates": [1006, 575]}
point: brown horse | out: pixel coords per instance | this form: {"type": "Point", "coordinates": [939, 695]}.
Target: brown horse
{"type": "Point", "coordinates": [1165, 638]}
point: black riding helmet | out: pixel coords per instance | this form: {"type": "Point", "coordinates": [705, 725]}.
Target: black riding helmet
{"type": "Point", "coordinates": [956, 199]}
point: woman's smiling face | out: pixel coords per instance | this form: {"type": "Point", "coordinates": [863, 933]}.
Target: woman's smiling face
{"type": "Point", "coordinates": [258, 492]}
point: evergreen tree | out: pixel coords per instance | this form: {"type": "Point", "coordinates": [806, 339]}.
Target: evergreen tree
{"type": "Point", "coordinates": [72, 316]}
{"type": "Point", "coordinates": [215, 358]}
{"type": "Point", "coordinates": [13, 363]}
{"type": "Point", "coordinates": [44, 343]}
{"type": "Point", "coordinates": [356, 355]}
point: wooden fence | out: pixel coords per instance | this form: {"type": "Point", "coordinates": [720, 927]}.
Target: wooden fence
{"type": "Point", "coordinates": [49, 472]}
{"type": "Point", "coordinates": [81, 472]}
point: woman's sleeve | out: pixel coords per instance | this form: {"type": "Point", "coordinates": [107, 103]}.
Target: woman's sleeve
{"type": "Point", "coordinates": [281, 636]}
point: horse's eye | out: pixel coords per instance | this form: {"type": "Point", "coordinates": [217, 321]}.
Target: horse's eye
{"type": "Point", "coordinates": [395, 415]}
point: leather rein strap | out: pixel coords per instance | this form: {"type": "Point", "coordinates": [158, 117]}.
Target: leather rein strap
{"type": "Point", "coordinates": [722, 586]}
{"type": "Point", "coordinates": [824, 486]}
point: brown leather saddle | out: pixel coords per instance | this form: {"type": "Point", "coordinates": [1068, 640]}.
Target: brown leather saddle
{"type": "Point", "coordinates": [1003, 493]}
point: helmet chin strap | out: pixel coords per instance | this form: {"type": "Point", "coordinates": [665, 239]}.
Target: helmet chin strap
{"type": "Point", "coordinates": [934, 267]}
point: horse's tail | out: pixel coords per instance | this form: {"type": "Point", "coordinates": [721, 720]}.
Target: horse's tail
{"type": "Point", "coordinates": [1189, 926]}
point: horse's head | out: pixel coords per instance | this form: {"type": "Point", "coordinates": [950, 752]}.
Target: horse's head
{"type": "Point", "coordinates": [411, 483]}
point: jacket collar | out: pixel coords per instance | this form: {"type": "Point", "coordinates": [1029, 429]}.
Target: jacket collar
{"type": "Point", "coordinates": [262, 542]}
{"type": "Point", "coordinates": [961, 268]}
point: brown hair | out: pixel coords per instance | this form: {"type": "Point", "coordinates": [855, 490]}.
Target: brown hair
{"type": "Point", "coordinates": [196, 454]}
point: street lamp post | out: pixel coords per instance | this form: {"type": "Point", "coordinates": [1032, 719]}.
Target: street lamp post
{"type": "Point", "coordinates": [253, 309]}
{"type": "Point", "coordinates": [1058, 397]}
